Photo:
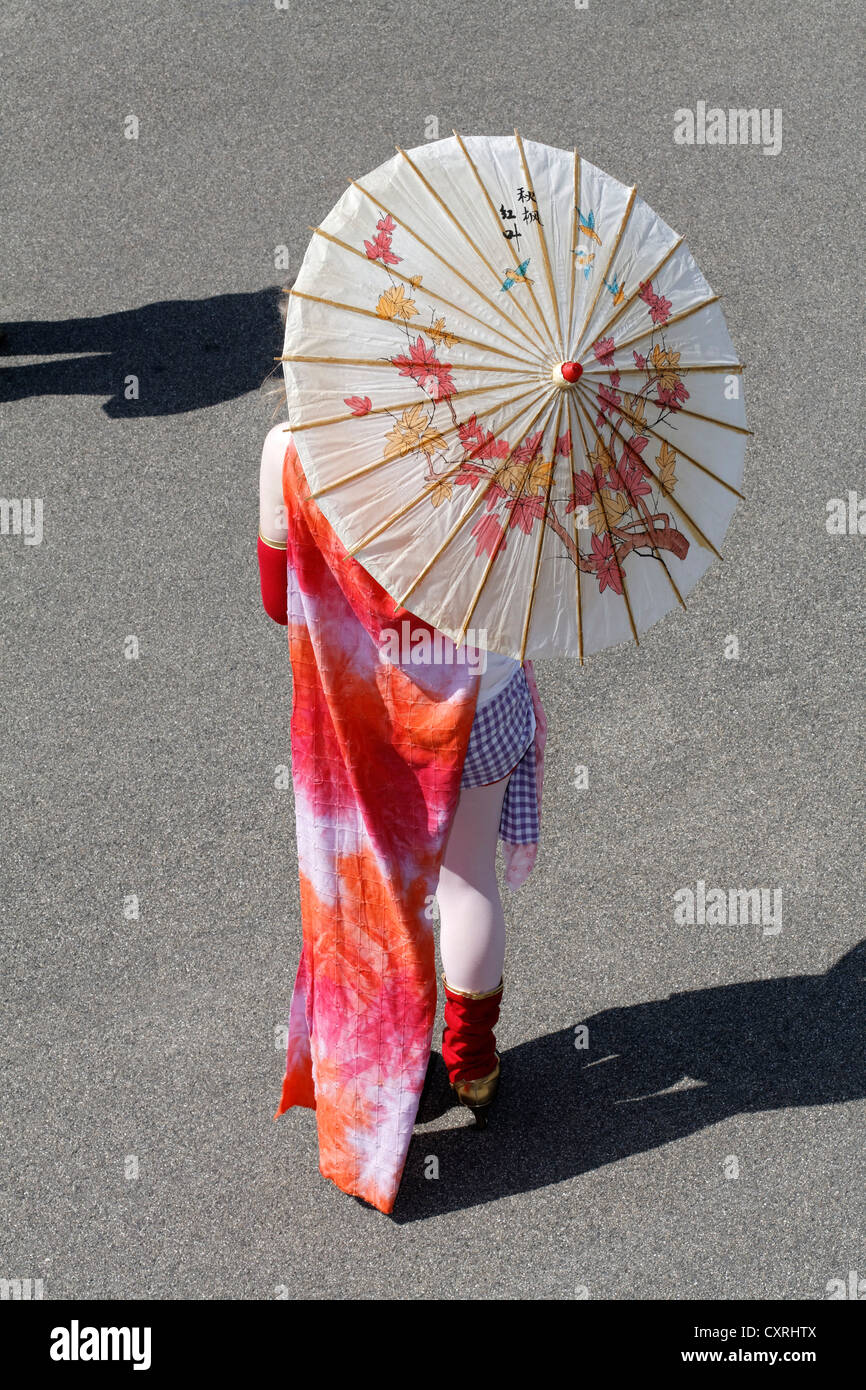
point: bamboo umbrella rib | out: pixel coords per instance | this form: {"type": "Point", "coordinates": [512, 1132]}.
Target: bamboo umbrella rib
{"type": "Point", "coordinates": [604, 274]}
{"type": "Point", "coordinates": [600, 496]}
{"type": "Point", "coordinates": [703, 540]}
{"type": "Point", "coordinates": [538, 548]}
{"type": "Point", "coordinates": [627, 303]}
{"type": "Point", "coordinates": [482, 493]}
{"type": "Point", "coordinates": [653, 546]}
{"type": "Point", "coordinates": [413, 502]}
{"type": "Point", "coordinates": [677, 318]}
{"type": "Point", "coordinates": [688, 457]}
{"type": "Point", "coordinates": [461, 229]}
{"type": "Point", "coordinates": [578, 581]}
{"type": "Point", "coordinates": [551, 346]}
{"type": "Point", "coordinates": [431, 294]}
{"type": "Point", "coordinates": [461, 631]}
{"type": "Point", "coordinates": [544, 251]}
{"type": "Point", "coordinates": [403, 405]}
{"type": "Point", "coordinates": [371, 314]}
{"type": "Point", "coordinates": [476, 289]}
{"type": "Point", "coordinates": [445, 434]}
{"type": "Point", "coordinates": [707, 419]}
{"type": "Point", "coordinates": [574, 238]}
{"type": "Point", "coordinates": [687, 367]}
{"type": "Point", "coordinates": [381, 362]}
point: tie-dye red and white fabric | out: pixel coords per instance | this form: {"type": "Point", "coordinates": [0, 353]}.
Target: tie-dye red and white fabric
{"type": "Point", "coordinates": [377, 757]}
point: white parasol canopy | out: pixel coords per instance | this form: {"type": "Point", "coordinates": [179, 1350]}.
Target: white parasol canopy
{"type": "Point", "coordinates": [514, 396]}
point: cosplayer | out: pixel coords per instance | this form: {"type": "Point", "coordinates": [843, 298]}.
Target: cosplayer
{"type": "Point", "coordinates": [514, 403]}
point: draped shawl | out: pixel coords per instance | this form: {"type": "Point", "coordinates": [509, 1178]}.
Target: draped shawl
{"type": "Point", "coordinates": [377, 755]}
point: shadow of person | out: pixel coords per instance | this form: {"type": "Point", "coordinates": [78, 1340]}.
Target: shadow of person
{"type": "Point", "coordinates": [652, 1073]}
{"type": "Point", "coordinates": [184, 353]}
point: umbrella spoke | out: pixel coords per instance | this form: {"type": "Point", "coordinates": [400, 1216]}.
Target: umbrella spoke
{"type": "Point", "coordinates": [676, 318]}
{"type": "Point", "coordinates": [431, 294]}
{"type": "Point", "coordinates": [541, 534]}
{"type": "Point", "coordinates": [401, 222]}
{"type": "Point", "coordinates": [574, 237]}
{"type": "Point", "coordinates": [696, 415]}
{"type": "Point", "coordinates": [482, 494]}
{"type": "Point", "coordinates": [492, 207]}
{"type": "Point", "coordinates": [371, 314]}
{"type": "Point", "coordinates": [627, 303]}
{"type": "Point", "coordinates": [401, 405]}
{"type": "Point", "coordinates": [601, 279]}
{"type": "Point", "coordinates": [420, 497]}
{"type": "Point", "coordinates": [702, 539]}
{"type": "Point", "coordinates": [544, 251]}
{"type": "Point", "coordinates": [461, 631]}
{"type": "Point", "coordinates": [574, 514]}
{"type": "Point", "coordinates": [688, 457]}
{"type": "Point", "coordinates": [445, 434]}
{"type": "Point", "coordinates": [620, 571]}
{"type": "Point", "coordinates": [386, 361]}
{"type": "Point", "coordinates": [464, 233]}
{"type": "Point", "coordinates": [687, 367]}
{"type": "Point", "coordinates": [633, 500]}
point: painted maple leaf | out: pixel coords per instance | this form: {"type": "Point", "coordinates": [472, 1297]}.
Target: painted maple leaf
{"type": "Point", "coordinates": [603, 561]}
{"type": "Point", "coordinates": [672, 397]}
{"type": "Point", "coordinates": [601, 457]}
{"type": "Point", "coordinates": [510, 475]}
{"type": "Point", "coordinates": [604, 350]}
{"type": "Point", "coordinates": [480, 444]}
{"type": "Point", "coordinates": [540, 475]}
{"type": "Point", "coordinates": [660, 309]}
{"type": "Point", "coordinates": [393, 304]}
{"type": "Point", "coordinates": [525, 511]}
{"type": "Point", "coordinates": [380, 250]}
{"type": "Point", "coordinates": [489, 535]}
{"type": "Point", "coordinates": [441, 492]}
{"type": "Point", "coordinates": [635, 410]}
{"type": "Point", "coordinates": [406, 434]}
{"type": "Point", "coordinates": [665, 460]}
{"type": "Point", "coordinates": [439, 333]}
{"type": "Point", "coordinates": [615, 505]}
{"type": "Point", "coordinates": [527, 449]}
{"type": "Point", "coordinates": [634, 482]}
{"type": "Point", "coordinates": [665, 363]}
{"type": "Point", "coordinates": [424, 367]}
{"type": "Point", "coordinates": [582, 491]}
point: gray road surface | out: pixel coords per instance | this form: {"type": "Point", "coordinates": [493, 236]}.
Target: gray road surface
{"type": "Point", "coordinates": [715, 1050]}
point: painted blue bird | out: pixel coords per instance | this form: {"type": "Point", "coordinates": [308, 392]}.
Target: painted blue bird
{"type": "Point", "coordinates": [587, 224]}
{"type": "Point", "coordinates": [584, 260]}
{"type": "Point", "coordinates": [616, 289]}
{"type": "Point", "coordinates": [516, 275]}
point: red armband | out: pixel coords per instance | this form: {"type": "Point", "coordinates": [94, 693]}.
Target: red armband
{"type": "Point", "coordinates": [274, 580]}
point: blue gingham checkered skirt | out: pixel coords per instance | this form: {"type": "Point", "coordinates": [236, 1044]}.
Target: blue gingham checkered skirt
{"type": "Point", "coordinates": [502, 738]}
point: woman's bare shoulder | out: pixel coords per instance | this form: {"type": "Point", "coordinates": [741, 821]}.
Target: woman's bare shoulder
{"type": "Point", "coordinates": [277, 438]}
{"type": "Point", "coordinates": [274, 449]}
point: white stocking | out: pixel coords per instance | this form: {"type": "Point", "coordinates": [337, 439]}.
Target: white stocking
{"type": "Point", "coordinates": [471, 921]}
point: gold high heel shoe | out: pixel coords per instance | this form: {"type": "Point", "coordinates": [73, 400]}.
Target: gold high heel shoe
{"type": "Point", "coordinates": [478, 1095]}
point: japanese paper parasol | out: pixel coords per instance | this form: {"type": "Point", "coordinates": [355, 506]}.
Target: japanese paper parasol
{"type": "Point", "coordinates": [514, 396]}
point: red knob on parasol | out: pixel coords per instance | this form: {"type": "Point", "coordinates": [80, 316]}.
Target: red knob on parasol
{"type": "Point", "coordinates": [572, 371]}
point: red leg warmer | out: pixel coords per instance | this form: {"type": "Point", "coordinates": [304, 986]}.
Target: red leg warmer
{"type": "Point", "coordinates": [468, 1042]}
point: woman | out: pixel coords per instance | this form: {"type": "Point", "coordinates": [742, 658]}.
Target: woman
{"type": "Point", "coordinates": [458, 756]}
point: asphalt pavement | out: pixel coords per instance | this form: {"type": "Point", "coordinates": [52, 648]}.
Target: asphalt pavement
{"type": "Point", "coordinates": [708, 1142]}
